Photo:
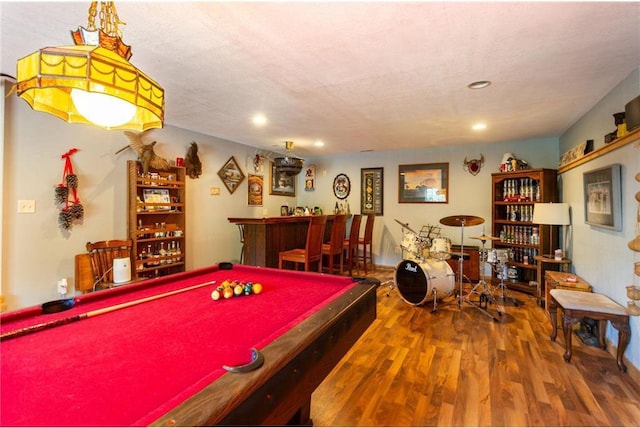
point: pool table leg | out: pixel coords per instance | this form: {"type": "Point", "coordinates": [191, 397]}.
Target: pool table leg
{"type": "Point", "coordinates": [303, 416]}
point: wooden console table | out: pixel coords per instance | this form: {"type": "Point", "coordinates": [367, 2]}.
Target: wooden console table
{"type": "Point", "coordinates": [576, 305]}
{"type": "Point", "coordinates": [554, 279]}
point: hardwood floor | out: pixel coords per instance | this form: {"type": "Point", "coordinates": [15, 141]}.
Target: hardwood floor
{"type": "Point", "coordinates": [457, 367]}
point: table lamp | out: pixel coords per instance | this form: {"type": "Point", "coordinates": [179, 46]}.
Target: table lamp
{"type": "Point", "coordinates": [551, 214]}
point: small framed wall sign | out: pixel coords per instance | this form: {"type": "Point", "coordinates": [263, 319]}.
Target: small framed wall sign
{"type": "Point", "coordinates": [310, 178]}
{"type": "Point", "coordinates": [371, 185]}
{"type": "Point", "coordinates": [603, 197]}
{"type": "Point", "coordinates": [231, 175]}
{"type": "Point", "coordinates": [254, 190]}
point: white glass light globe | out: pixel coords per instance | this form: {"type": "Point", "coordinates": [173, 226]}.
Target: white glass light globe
{"type": "Point", "coordinates": [101, 109]}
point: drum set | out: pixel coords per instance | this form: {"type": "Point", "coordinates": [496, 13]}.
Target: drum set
{"type": "Point", "coordinates": [424, 275]}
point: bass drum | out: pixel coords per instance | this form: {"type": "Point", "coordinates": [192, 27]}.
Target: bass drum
{"type": "Point", "coordinates": [419, 281]}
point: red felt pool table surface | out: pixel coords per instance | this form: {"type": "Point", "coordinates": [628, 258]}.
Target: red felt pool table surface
{"type": "Point", "coordinates": [160, 362]}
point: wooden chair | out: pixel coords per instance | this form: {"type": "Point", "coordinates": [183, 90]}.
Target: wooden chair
{"type": "Point", "coordinates": [312, 252]}
{"type": "Point", "coordinates": [350, 245]}
{"type": "Point", "coordinates": [102, 254]}
{"type": "Point", "coordinates": [334, 246]}
{"type": "Point", "coordinates": [367, 243]}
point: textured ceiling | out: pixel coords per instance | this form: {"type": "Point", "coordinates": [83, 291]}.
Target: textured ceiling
{"type": "Point", "coordinates": [361, 75]}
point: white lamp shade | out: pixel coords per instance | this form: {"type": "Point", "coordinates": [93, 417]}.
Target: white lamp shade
{"type": "Point", "coordinates": [551, 213]}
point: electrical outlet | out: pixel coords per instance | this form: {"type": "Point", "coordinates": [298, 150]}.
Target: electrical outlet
{"type": "Point", "coordinates": [26, 206]}
{"type": "Point", "coordinates": [214, 191]}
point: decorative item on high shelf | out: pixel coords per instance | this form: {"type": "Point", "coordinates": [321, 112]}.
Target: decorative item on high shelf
{"type": "Point", "coordinates": [510, 163]}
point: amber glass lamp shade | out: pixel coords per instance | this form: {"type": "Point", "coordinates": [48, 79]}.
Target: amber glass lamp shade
{"type": "Point", "coordinates": [74, 82]}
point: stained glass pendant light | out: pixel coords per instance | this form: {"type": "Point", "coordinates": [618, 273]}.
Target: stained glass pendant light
{"type": "Point", "coordinates": [289, 164]}
{"type": "Point", "coordinates": [93, 81]}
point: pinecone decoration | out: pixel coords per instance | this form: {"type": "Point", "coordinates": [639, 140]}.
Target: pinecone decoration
{"type": "Point", "coordinates": [72, 181]}
{"type": "Point", "coordinates": [77, 211]}
{"type": "Point", "coordinates": [61, 194]}
{"type": "Point", "coordinates": [64, 219]}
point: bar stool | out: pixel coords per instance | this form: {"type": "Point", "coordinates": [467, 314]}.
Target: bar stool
{"type": "Point", "coordinates": [312, 252]}
{"type": "Point", "coordinates": [366, 242]}
{"type": "Point", "coordinates": [350, 245]}
{"type": "Point", "coordinates": [334, 246]}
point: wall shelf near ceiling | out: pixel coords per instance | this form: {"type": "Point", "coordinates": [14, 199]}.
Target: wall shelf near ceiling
{"type": "Point", "coordinates": [601, 151]}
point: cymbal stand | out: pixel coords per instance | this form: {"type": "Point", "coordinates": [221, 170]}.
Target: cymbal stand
{"type": "Point", "coordinates": [462, 298]}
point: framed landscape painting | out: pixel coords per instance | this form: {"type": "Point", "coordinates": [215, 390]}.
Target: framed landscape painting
{"type": "Point", "coordinates": [423, 183]}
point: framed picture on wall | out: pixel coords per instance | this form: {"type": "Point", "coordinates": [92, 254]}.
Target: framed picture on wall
{"type": "Point", "coordinates": [254, 190]}
{"type": "Point", "coordinates": [281, 183]}
{"type": "Point", "coordinates": [231, 175]}
{"type": "Point", "coordinates": [371, 187]}
{"type": "Point", "coordinates": [603, 197]}
{"type": "Point", "coordinates": [423, 183]}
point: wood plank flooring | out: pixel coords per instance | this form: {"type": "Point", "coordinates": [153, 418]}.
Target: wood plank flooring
{"type": "Point", "coordinates": [457, 367]}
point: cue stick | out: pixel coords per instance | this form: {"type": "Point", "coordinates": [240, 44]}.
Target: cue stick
{"type": "Point", "coordinates": [50, 324]}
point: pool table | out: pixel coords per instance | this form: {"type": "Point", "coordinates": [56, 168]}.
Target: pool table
{"type": "Point", "coordinates": [160, 362]}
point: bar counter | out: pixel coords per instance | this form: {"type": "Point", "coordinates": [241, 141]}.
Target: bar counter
{"type": "Point", "coordinates": [265, 237]}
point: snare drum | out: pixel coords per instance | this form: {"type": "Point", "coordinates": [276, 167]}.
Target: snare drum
{"type": "Point", "coordinates": [441, 248]}
{"type": "Point", "coordinates": [419, 282]}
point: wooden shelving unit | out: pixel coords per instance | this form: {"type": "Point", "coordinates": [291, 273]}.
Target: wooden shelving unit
{"type": "Point", "coordinates": [156, 221]}
{"type": "Point", "coordinates": [513, 197]}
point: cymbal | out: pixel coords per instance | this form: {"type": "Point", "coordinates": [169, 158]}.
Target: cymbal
{"type": "Point", "coordinates": [405, 225]}
{"type": "Point", "coordinates": [459, 220]}
{"type": "Point", "coordinates": [485, 238]}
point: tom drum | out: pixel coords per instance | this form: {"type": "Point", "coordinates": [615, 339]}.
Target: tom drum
{"type": "Point", "coordinates": [499, 255]}
{"type": "Point", "coordinates": [419, 282]}
{"type": "Point", "coordinates": [441, 248]}
{"type": "Point", "coordinates": [414, 245]}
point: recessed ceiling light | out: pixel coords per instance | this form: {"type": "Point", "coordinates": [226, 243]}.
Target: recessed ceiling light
{"type": "Point", "coordinates": [479, 126]}
{"type": "Point", "coordinates": [319, 143]}
{"type": "Point", "coordinates": [480, 84]}
{"type": "Point", "coordinates": [259, 120]}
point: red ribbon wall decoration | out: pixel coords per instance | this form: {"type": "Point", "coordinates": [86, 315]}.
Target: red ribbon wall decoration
{"type": "Point", "coordinates": [66, 195]}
